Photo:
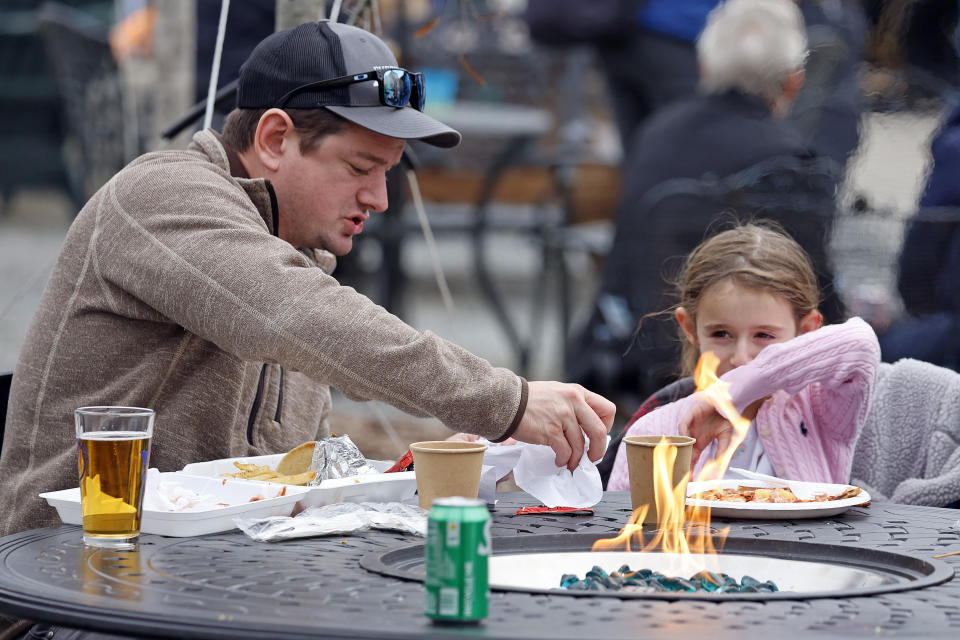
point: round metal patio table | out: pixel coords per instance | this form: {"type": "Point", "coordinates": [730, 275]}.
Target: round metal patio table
{"type": "Point", "coordinates": [227, 586]}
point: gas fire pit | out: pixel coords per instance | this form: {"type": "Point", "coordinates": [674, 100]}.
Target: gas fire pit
{"type": "Point", "coordinates": [536, 564]}
{"type": "Point", "coordinates": [227, 586]}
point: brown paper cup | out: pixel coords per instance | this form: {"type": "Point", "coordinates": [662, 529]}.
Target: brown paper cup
{"type": "Point", "coordinates": [640, 465]}
{"type": "Point", "coordinates": [447, 468]}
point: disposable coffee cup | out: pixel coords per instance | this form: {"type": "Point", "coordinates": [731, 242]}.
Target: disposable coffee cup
{"type": "Point", "coordinates": [447, 468]}
{"type": "Point", "coordinates": [640, 465]}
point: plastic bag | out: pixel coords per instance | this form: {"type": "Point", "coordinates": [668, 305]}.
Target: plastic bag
{"type": "Point", "coordinates": [337, 519]}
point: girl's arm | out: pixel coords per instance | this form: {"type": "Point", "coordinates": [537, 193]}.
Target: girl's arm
{"type": "Point", "coordinates": [832, 356]}
{"type": "Point", "coordinates": [828, 375]}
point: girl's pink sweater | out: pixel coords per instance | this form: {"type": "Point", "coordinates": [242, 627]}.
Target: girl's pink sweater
{"type": "Point", "coordinates": [821, 385]}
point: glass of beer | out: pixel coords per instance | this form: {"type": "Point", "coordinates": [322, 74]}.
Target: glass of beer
{"type": "Point", "coordinates": [113, 449]}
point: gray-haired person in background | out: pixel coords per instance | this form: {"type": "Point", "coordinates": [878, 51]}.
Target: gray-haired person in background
{"type": "Point", "coordinates": [197, 283]}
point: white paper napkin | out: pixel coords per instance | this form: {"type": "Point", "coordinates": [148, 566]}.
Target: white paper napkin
{"type": "Point", "coordinates": [488, 484]}
{"type": "Point", "coordinates": [534, 471]}
{"type": "Point", "coordinates": [159, 495]}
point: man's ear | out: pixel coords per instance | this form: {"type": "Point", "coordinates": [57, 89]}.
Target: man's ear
{"type": "Point", "coordinates": [687, 325]}
{"type": "Point", "coordinates": [274, 135]}
{"type": "Point", "coordinates": [810, 322]}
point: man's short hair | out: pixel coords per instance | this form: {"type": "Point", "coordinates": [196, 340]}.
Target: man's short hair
{"type": "Point", "coordinates": [312, 125]}
{"type": "Point", "coordinates": [752, 46]}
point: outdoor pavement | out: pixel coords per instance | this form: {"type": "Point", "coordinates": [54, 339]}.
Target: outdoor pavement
{"type": "Point", "coordinates": [32, 228]}
{"type": "Point", "coordinates": [889, 170]}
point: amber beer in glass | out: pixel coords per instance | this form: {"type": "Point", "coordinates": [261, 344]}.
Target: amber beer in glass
{"type": "Point", "coordinates": [113, 450]}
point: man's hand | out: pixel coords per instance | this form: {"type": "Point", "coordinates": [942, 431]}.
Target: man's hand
{"type": "Point", "coordinates": [559, 414]}
{"type": "Point", "coordinates": [704, 424]}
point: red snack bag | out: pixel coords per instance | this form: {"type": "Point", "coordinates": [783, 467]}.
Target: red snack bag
{"type": "Point", "coordinates": [402, 464]}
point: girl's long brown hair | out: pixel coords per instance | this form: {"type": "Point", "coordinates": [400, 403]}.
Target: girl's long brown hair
{"type": "Point", "coordinates": [759, 255]}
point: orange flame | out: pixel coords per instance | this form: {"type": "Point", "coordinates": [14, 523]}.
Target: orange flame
{"type": "Point", "coordinates": [679, 530]}
{"type": "Point", "coordinates": [718, 393]}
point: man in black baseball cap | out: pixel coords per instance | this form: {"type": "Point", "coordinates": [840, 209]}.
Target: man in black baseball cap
{"type": "Point", "coordinates": [345, 70]}
{"type": "Point", "coordinates": [337, 94]}
{"type": "Point", "coordinates": [197, 283]}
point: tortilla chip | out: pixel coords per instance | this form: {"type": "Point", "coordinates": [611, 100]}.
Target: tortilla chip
{"type": "Point", "coordinates": [297, 460]}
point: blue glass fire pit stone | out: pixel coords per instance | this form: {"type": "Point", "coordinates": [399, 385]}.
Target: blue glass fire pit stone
{"type": "Point", "coordinates": [644, 579]}
{"type": "Point", "coordinates": [568, 579]}
{"type": "Point", "coordinates": [656, 584]}
{"type": "Point", "coordinates": [708, 580]}
{"type": "Point", "coordinates": [678, 584]}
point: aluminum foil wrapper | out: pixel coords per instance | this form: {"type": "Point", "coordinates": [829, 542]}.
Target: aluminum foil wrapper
{"type": "Point", "coordinates": [338, 457]}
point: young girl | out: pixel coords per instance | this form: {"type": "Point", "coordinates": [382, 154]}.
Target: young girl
{"type": "Point", "coordinates": [750, 296]}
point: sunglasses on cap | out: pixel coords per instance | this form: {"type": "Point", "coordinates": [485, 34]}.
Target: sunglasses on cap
{"type": "Point", "coordinates": [397, 87]}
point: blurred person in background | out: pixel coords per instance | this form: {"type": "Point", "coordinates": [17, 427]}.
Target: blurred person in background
{"type": "Point", "coordinates": [197, 283]}
{"type": "Point", "coordinates": [248, 23]}
{"type": "Point", "coordinates": [918, 41]}
{"type": "Point", "coordinates": [929, 263]}
{"type": "Point", "coordinates": [827, 110]}
{"type": "Point", "coordinates": [914, 46]}
{"type": "Point", "coordinates": [645, 47]}
{"type": "Point", "coordinates": [751, 58]}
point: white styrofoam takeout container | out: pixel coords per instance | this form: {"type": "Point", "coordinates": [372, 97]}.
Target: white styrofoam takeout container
{"type": "Point", "coordinates": [373, 487]}
{"type": "Point", "coordinates": [212, 519]}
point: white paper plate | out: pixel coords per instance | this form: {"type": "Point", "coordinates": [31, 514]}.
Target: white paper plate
{"type": "Point", "coordinates": [213, 519]}
{"type": "Point", "coordinates": [374, 487]}
{"type": "Point", "coordinates": [774, 511]}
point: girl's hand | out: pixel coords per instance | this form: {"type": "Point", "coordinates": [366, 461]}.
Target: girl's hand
{"type": "Point", "coordinates": [704, 424]}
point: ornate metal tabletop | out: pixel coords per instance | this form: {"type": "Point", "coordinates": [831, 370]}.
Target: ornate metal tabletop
{"type": "Point", "coordinates": [227, 586]}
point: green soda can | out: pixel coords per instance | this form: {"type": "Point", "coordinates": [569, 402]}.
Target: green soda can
{"type": "Point", "coordinates": [458, 545]}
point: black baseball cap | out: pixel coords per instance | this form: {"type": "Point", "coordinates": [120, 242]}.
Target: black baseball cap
{"type": "Point", "coordinates": [324, 50]}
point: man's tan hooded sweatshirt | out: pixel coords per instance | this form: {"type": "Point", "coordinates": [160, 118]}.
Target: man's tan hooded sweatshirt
{"type": "Point", "coordinates": [173, 292]}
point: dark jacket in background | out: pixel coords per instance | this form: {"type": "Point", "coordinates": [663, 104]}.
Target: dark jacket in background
{"type": "Point", "coordinates": [645, 48]}
{"type": "Point", "coordinates": [715, 134]}
{"type": "Point", "coordinates": [248, 23]}
{"type": "Point", "coordinates": [930, 262]}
